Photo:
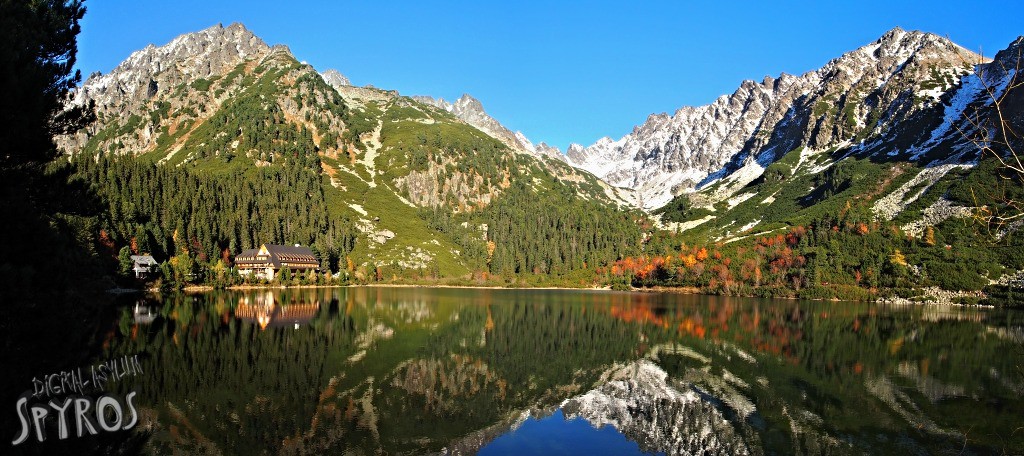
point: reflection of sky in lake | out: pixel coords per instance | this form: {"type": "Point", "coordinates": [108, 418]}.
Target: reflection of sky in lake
{"type": "Point", "coordinates": [556, 435]}
{"type": "Point", "coordinates": [406, 370]}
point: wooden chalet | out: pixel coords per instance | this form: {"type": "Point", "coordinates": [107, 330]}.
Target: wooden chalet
{"type": "Point", "coordinates": [266, 261]}
{"type": "Point", "coordinates": [143, 265]}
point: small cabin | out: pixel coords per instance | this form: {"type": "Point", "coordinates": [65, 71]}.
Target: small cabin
{"type": "Point", "coordinates": [266, 261]}
{"type": "Point", "coordinates": [143, 265]}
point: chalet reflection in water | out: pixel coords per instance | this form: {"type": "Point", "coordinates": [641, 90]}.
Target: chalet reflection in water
{"type": "Point", "coordinates": [264, 309]}
{"type": "Point", "coordinates": [143, 314]}
{"type": "Point", "coordinates": [410, 371]}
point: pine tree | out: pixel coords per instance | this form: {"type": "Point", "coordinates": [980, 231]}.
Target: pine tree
{"type": "Point", "coordinates": [124, 260]}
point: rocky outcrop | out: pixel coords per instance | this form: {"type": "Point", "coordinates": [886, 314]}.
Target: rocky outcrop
{"type": "Point", "coordinates": [938, 212]}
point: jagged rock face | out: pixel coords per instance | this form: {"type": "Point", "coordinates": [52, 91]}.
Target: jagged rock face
{"type": "Point", "coordinates": [471, 111]}
{"type": "Point", "coordinates": [153, 73]}
{"type": "Point", "coordinates": [1006, 69]}
{"type": "Point", "coordinates": [856, 96]}
{"type": "Point", "coordinates": [427, 189]}
{"type": "Point", "coordinates": [639, 401]}
{"type": "Point", "coordinates": [153, 70]}
{"type": "Point", "coordinates": [335, 79]}
{"type": "Point", "coordinates": [161, 98]}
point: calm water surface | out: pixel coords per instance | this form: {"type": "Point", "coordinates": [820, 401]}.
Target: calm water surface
{"type": "Point", "coordinates": [407, 370]}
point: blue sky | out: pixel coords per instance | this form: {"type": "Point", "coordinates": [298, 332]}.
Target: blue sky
{"type": "Point", "coordinates": [561, 72]}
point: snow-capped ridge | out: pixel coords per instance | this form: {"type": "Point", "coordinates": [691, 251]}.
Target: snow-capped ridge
{"type": "Point", "coordinates": [863, 89]}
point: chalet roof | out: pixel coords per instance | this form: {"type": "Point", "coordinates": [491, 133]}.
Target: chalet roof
{"type": "Point", "coordinates": [144, 260]}
{"type": "Point", "coordinates": [292, 250]}
{"type": "Point", "coordinates": [275, 255]}
{"type": "Point", "coordinates": [248, 253]}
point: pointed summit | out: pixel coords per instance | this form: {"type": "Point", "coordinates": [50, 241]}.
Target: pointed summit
{"type": "Point", "coordinates": [892, 35]}
{"type": "Point", "coordinates": [188, 57]}
{"type": "Point", "coordinates": [467, 103]}
{"type": "Point", "coordinates": [335, 79]}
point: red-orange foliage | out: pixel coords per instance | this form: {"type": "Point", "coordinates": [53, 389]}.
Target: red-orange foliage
{"type": "Point", "coordinates": [795, 234]}
{"type": "Point", "coordinates": [862, 228]}
{"type": "Point", "coordinates": [106, 241]}
{"type": "Point", "coordinates": [702, 254]}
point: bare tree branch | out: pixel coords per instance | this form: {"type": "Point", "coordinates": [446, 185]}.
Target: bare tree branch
{"type": "Point", "coordinates": [989, 129]}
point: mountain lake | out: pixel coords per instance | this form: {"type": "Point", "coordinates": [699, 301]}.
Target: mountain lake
{"type": "Point", "coordinates": [394, 370]}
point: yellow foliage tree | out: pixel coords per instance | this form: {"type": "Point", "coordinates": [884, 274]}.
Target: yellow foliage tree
{"type": "Point", "coordinates": [929, 236]}
{"type": "Point", "coordinates": [897, 258]}
{"type": "Point", "coordinates": [689, 261]}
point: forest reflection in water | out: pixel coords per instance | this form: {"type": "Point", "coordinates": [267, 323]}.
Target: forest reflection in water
{"type": "Point", "coordinates": [413, 370]}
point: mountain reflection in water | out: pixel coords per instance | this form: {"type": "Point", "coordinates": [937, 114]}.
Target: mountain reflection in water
{"type": "Point", "coordinates": [409, 370]}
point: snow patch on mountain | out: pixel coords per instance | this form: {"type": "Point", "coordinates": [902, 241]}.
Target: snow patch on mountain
{"type": "Point", "coordinates": [971, 88]}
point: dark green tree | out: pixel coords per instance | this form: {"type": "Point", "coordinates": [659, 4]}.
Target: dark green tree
{"type": "Point", "coordinates": [47, 227]}
{"type": "Point", "coordinates": [124, 261]}
{"type": "Point", "coordinates": [50, 270]}
{"type": "Point", "coordinates": [36, 64]}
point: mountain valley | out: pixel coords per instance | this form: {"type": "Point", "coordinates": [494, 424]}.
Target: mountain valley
{"type": "Point", "coordinates": [419, 188]}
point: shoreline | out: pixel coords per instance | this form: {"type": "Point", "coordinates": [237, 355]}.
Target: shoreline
{"type": "Point", "coordinates": [403, 285]}
{"type": "Point", "coordinates": [197, 289]}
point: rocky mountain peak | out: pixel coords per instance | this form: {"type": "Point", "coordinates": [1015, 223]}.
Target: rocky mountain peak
{"type": "Point", "coordinates": [335, 79]}
{"type": "Point", "coordinates": [186, 58]}
{"type": "Point", "coordinates": [1010, 57]}
{"type": "Point", "coordinates": [467, 103]}
{"type": "Point", "coordinates": [576, 153]}
{"type": "Point", "coordinates": [858, 94]}
{"type": "Point", "coordinates": [892, 35]}
{"type": "Point", "coordinates": [206, 49]}
{"type": "Point", "coordinates": [175, 75]}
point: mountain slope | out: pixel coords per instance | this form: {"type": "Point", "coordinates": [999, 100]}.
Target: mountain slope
{"type": "Point", "coordinates": [892, 172]}
{"type": "Point", "coordinates": [412, 179]}
{"type": "Point", "coordinates": [859, 95]}
{"type": "Point", "coordinates": [920, 210]}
